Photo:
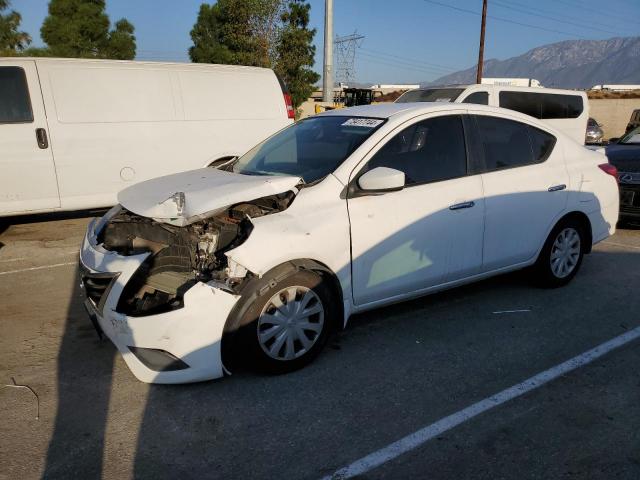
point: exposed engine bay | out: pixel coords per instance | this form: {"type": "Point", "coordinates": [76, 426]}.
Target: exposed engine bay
{"type": "Point", "coordinates": [181, 256]}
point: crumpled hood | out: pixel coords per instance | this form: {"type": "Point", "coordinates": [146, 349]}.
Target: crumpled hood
{"type": "Point", "coordinates": [184, 198]}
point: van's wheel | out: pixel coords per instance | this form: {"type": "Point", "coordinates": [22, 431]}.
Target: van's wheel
{"type": "Point", "coordinates": [562, 254]}
{"type": "Point", "coordinates": [287, 323]}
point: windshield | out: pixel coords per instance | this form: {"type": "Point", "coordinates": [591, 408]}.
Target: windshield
{"type": "Point", "coordinates": [431, 95]}
{"type": "Point", "coordinates": [631, 138]}
{"type": "Point", "coordinates": [311, 148]}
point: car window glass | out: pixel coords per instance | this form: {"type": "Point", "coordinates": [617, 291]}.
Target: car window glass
{"type": "Point", "coordinates": [542, 105]}
{"type": "Point", "coordinates": [542, 144]}
{"type": "Point", "coordinates": [506, 143]}
{"type": "Point", "coordinates": [15, 106]}
{"type": "Point", "coordinates": [430, 95]}
{"type": "Point", "coordinates": [427, 151]}
{"type": "Point", "coordinates": [479, 98]}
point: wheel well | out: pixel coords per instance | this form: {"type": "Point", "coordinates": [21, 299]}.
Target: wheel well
{"type": "Point", "coordinates": [584, 221]}
{"type": "Point", "coordinates": [280, 271]}
{"type": "Point", "coordinates": [327, 274]}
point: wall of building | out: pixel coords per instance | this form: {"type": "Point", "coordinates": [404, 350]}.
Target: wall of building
{"type": "Point", "coordinates": [613, 114]}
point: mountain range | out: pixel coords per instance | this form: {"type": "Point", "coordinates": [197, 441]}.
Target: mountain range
{"type": "Point", "coordinates": [568, 64]}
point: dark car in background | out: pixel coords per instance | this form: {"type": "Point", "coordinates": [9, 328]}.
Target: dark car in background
{"type": "Point", "coordinates": [624, 154]}
{"type": "Point", "coordinates": [634, 120]}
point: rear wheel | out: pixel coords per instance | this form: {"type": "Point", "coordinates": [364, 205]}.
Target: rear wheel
{"type": "Point", "coordinates": [562, 254]}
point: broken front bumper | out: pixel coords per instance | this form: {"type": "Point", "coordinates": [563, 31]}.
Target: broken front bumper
{"type": "Point", "coordinates": [179, 346]}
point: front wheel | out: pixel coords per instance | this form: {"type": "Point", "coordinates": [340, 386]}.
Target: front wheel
{"type": "Point", "coordinates": [562, 254]}
{"type": "Point", "coordinates": [288, 322]}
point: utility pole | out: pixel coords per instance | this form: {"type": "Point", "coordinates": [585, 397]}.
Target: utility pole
{"type": "Point", "coordinates": [481, 50]}
{"type": "Point", "coordinates": [327, 73]}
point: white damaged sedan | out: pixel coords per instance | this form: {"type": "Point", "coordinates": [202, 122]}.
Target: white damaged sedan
{"type": "Point", "coordinates": [260, 258]}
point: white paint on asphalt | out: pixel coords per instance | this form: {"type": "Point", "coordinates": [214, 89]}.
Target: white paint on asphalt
{"type": "Point", "coordinates": [42, 267]}
{"type": "Point", "coordinates": [418, 438]}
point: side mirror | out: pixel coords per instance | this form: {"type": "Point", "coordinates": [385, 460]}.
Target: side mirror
{"type": "Point", "coordinates": [382, 179]}
{"type": "Point", "coordinates": [614, 140]}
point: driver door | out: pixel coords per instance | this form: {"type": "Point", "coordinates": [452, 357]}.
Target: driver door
{"type": "Point", "coordinates": [428, 233]}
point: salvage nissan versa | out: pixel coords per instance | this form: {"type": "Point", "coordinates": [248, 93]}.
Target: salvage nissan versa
{"type": "Point", "coordinates": [260, 258]}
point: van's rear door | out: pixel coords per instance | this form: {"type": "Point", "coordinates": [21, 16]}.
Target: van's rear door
{"type": "Point", "coordinates": [28, 177]}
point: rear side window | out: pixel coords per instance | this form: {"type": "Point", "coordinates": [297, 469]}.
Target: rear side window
{"type": "Point", "coordinates": [509, 144]}
{"type": "Point", "coordinates": [15, 105]}
{"type": "Point", "coordinates": [479, 98]}
{"type": "Point", "coordinates": [543, 105]}
{"type": "Point", "coordinates": [429, 151]}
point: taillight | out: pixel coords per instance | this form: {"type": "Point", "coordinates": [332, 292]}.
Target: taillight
{"type": "Point", "coordinates": [291, 113]}
{"type": "Point", "coordinates": [609, 169]}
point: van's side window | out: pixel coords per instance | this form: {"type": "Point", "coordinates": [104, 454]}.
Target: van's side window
{"type": "Point", "coordinates": [479, 98]}
{"type": "Point", "coordinates": [509, 144]}
{"type": "Point", "coordinates": [15, 106]}
{"type": "Point", "coordinates": [543, 105]}
{"type": "Point", "coordinates": [429, 151]}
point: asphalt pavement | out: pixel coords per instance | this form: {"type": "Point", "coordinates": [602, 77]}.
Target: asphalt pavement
{"type": "Point", "coordinates": [392, 372]}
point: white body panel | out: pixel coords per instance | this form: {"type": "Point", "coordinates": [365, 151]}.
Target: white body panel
{"type": "Point", "coordinates": [388, 247]}
{"type": "Point", "coordinates": [112, 124]}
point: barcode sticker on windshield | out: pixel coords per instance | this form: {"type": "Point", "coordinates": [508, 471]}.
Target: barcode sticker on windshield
{"type": "Point", "coordinates": [363, 122]}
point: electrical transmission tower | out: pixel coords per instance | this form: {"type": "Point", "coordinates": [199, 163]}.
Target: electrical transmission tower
{"type": "Point", "coordinates": [346, 56]}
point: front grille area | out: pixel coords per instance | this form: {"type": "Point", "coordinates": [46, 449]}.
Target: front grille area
{"type": "Point", "coordinates": [97, 286]}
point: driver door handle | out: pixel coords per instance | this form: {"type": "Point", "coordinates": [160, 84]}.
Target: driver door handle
{"type": "Point", "coordinates": [460, 206]}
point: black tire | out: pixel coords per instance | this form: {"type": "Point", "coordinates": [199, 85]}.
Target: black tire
{"type": "Point", "coordinates": [546, 275]}
{"type": "Point", "coordinates": [257, 297]}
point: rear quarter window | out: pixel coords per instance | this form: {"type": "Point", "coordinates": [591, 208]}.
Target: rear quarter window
{"type": "Point", "coordinates": [543, 105]}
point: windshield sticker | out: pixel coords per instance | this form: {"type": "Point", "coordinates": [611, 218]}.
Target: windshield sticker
{"type": "Point", "coordinates": [443, 99]}
{"type": "Point", "coordinates": [363, 122]}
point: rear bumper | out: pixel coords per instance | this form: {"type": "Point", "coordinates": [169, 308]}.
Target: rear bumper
{"type": "Point", "coordinates": [191, 334]}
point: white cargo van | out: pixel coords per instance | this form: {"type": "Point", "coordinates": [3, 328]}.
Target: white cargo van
{"type": "Point", "coordinates": [566, 110]}
{"type": "Point", "coordinates": [75, 132]}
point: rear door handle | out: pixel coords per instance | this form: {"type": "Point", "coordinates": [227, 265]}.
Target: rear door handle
{"type": "Point", "coordinates": [460, 206]}
{"type": "Point", "coordinates": [41, 138]}
{"type": "Point", "coordinates": [556, 188]}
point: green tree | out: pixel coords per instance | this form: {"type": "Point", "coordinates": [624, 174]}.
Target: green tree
{"type": "Point", "coordinates": [226, 32]}
{"type": "Point", "coordinates": [12, 41]}
{"type": "Point", "coordinates": [296, 52]}
{"type": "Point", "coordinates": [262, 33]}
{"type": "Point", "coordinates": [80, 28]}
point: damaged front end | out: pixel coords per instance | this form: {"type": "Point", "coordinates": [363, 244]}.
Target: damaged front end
{"type": "Point", "coordinates": [181, 256]}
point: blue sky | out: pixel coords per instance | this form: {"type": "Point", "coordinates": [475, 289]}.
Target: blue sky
{"type": "Point", "coordinates": [405, 40]}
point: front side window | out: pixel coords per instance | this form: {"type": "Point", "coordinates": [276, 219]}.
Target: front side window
{"type": "Point", "coordinates": [430, 95]}
{"type": "Point", "coordinates": [542, 105]}
{"type": "Point", "coordinates": [428, 151]}
{"type": "Point", "coordinates": [310, 149]}
{"type": "Point", "coordinates": [508, 144]}
{"type": "Point", "coordinates": [479, 98]}
{"type": "Point", "coordinates": [15, 106]}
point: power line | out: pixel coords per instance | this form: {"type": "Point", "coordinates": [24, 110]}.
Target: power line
{"type": "Point", "coordinates": [372, 59]}
{"type": "Point", "coordinates": [548, 17]}
{"type": "Point", "coordinates": [413, 60]}
{"type": "Point", "coordinates": [506, 20]}
{"type": "Point", "coordinates": [599, 20]}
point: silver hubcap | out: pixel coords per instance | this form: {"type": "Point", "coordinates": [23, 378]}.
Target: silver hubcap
{"type": "Point", "coordinates": [565, 252]}
{"type": "Point", "coordinates": [290, 323]}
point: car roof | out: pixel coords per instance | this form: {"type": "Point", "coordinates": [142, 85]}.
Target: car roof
{"type": "Point", "coordinates": [387, 110]}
